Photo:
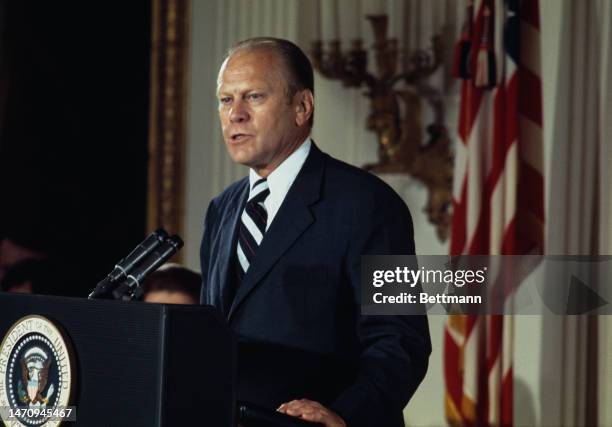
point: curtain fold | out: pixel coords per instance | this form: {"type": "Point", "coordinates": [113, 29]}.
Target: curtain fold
{"type": "Point", "coordinates": [575, 206]}
{"type": "Point", "coordinates": [604, 14]}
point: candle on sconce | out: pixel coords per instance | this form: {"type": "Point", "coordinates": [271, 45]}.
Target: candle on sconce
{"type": "Point", "coordinates": [358, 19]}
{"type": "Point", "coordinates": [349, 15]}
{"type": "Point", "coordinates": [318, 18]}
{"type": "Point", "coordinates": [393, 20]}
{"type": "Point", "coordinates": [374, 7]}
{"type": "Point", "coordinates": [329, 20]}
{"type": "Point", "coordinates": [336, 23]}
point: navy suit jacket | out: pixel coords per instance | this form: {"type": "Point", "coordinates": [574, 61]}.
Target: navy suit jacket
{"type": "Point", "coordinates": [296, 313]}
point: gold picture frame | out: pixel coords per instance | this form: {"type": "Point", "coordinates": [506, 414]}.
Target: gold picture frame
{"type": "Point", "coordinates": [167, 128]}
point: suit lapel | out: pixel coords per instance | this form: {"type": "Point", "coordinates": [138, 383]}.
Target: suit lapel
{"type": "Point", "coordinates": [227, 247]}
{"type": "Point", "coordinates": [290, 222]}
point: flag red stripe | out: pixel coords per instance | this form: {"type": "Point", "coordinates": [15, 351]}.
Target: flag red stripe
{"type": "Point", "coordinates": [504, 135]}
{"type": "Point", "coordinates": [530, 13]}
{"type": "Point", "coordinates": [530, 101]}
{"type": "Point", "coordinates": [494, 340]}
{"type": "Point", "coordinates": [471, 98]}
{"type": "Point", "coordinates": [511, 106]}
{"type": "Point", "coordinates": [504, 130]}
{"type": "Point", "coordinates": [509, 240]}
{"type": "Point", "coordinates": [479, 244]}
{"type": "Point", "coordinates": [451, 369]}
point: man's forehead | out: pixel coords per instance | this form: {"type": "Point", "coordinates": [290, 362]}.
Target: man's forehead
{"type": "Point", "coordinates": [260, 52]}
{"type": "Point", "coordinates": [249, 65]}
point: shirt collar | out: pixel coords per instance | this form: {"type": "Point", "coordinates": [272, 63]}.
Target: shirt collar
{"type": "Point", "coordinates": [281, 178]}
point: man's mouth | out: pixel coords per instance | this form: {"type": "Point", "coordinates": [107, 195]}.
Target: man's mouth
{"type": "Point", "coordinates": [238, 137]}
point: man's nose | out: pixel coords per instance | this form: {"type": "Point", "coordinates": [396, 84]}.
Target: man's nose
{"type": "Point", "coordinates": [239, 113]}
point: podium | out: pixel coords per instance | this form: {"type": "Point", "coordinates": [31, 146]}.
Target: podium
{"type": "Point", "coordinates": [138, 364]}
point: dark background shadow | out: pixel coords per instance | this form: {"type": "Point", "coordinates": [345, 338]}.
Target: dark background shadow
{"type": "Point", "coordinates": [74, 97]}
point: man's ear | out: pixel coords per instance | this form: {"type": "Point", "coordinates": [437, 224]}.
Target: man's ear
{"type": "Point", "coordinates": [304, 107]}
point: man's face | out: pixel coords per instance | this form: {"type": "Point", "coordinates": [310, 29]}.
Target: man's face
{"type": "Point", "coordinates": [261, 128]}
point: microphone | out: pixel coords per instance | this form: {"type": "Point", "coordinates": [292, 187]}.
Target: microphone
{"type": "Point", "coordinates": [123, 267]}
{"type": "Point", "coordinates": [131, 285]}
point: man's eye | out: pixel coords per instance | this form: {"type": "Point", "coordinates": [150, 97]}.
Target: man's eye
{"type": "Point", "coordinates": [254, 96]}
{"type": "Point", "coordinates": [225, 100]}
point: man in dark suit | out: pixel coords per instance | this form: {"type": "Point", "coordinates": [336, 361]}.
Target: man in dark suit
{"type": "Point", "coordinates": [281, 255]}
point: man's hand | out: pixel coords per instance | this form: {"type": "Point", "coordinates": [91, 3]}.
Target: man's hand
{"type": "Point", "coordinates": [312, 411]}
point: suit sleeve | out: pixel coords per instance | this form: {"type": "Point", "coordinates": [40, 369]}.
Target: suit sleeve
{"type": "Point", "coordinates": [394, 349]}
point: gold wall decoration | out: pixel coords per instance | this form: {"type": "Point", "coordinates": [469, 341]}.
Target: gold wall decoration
{"type": "Point", "coordinates": [396, 114]}
{"type": "Point", "coordinates": [170, 30]}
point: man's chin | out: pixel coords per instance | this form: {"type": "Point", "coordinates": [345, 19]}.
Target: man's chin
{"type": "Point", "coordinates": [240, 157]}
{"type": "Point", "coordinates": [243, 155]}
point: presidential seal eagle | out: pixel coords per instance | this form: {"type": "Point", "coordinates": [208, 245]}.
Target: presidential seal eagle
{"type": "Point", "coordinates": [35, 374]}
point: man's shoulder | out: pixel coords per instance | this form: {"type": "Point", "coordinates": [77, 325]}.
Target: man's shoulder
{"type": "Point", "coordinates": [232, 194]}
{"type": "Point", "coordinates": [358, 184]}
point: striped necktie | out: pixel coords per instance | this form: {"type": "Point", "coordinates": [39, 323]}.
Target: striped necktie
{"type": "Point", "coordinates": [252, 226]}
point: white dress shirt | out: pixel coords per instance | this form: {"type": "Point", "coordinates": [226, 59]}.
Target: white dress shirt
{"type": "Point", "coordinates": [281, 178]}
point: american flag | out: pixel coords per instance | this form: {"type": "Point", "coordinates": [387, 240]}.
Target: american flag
{"type": "Point", "coordinates": [498, 193]}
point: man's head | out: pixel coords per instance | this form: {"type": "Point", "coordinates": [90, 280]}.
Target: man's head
{"type": "Point", "coordinates": [30, 275]}
{"type": "Point", "coordinates": [172, 284]}
{"type": "Point", "coordinates": [14, 250]}
{"type": "Point", "coordinates": [266, 102]}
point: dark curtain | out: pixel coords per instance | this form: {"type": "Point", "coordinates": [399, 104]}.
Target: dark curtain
{"type": "Point", "coordinates": [74, 82]}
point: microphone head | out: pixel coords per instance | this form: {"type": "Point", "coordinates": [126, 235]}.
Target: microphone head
{"type": "Point", "coordinates": [123, 268]}
{"type": "Point", "coordinates": [161, 234]}
{"type": "Point", "coordinates": [175, 241]}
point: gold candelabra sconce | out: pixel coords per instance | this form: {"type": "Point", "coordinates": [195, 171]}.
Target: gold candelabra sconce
{"type": "Point", "coordinates": [396, 112]}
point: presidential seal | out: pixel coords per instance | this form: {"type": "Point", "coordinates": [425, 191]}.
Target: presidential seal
{"type": "Point", "coordinates": [36, 373]}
